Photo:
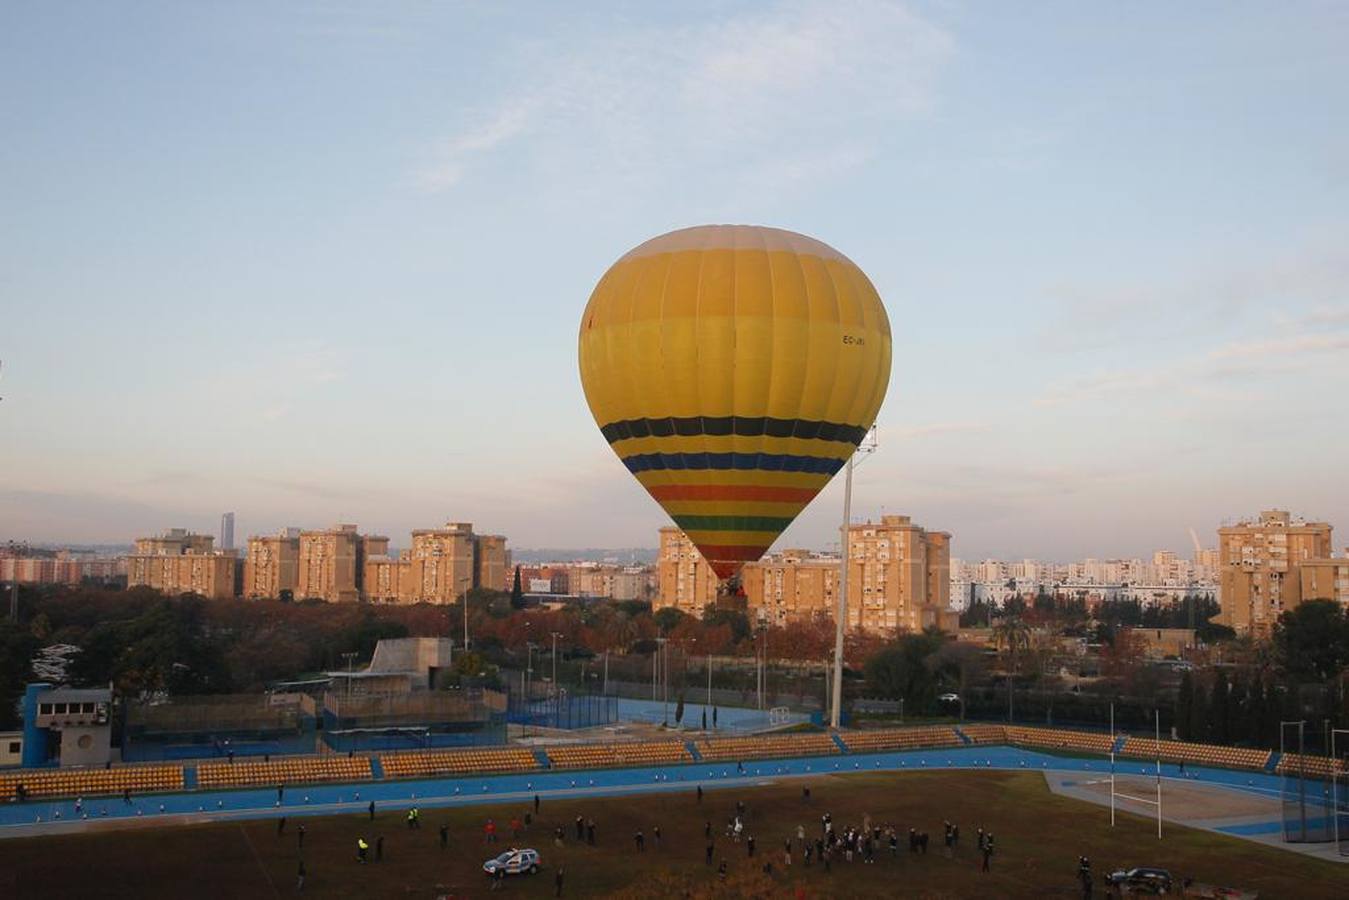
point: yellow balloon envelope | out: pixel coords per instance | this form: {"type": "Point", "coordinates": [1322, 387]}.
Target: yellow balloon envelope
{"type": "Point", "coordinates": [734, 369]}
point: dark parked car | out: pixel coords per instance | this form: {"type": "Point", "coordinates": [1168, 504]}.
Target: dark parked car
{"type": "Point", "coordinates": [1141, 880]}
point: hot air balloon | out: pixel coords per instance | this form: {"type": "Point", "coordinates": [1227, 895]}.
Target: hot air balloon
{"type": "Point", "coordinates": [734, 369]}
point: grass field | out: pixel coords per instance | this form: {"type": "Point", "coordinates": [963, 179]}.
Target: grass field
{"type": "Point", "coordinates": [1038, 838]}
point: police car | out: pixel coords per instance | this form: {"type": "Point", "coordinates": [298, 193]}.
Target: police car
{"type": "Point", "coordinates": [513, 862]}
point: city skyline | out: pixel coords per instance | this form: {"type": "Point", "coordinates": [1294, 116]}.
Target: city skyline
{"type": "Point", "coordinates": [318, 266]}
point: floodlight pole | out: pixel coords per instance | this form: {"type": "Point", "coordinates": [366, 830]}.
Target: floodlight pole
{"type": "Point", "coordinates": [1158, 741]}
{"type": "Point", "coordinates": [842, 612]}
{"type": "Point", "coordinates": [1335, 784]}
{"type": "Point", "coordinates": [1112, 765]}
{"type": "Point", "coordinates": [868, 445]}
{"type": "Point", "coordinates": [555, 690]}
{"type": "Point", "coordinates": [709, 677]}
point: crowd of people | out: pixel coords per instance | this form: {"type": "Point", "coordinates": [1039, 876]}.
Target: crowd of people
{"type": "Point", "coordinates": [826, 846]}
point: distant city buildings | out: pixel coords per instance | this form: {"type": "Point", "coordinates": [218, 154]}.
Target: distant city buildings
{"type": "Point", "coordinates": [899, 579]}
{"type": "Point", "coordinates": [1164, 579]}
{"type": "Point", "coordinates": [588, 580]}
{"type": "Point", "coordinates": [1261, 569]}
{"type": "Point", "coordinates": [26, 565]}
{"type": "Point", "coordinates": [337, 565]}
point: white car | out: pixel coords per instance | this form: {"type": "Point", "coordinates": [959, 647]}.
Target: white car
{"type": "Point", "coordinates": [513, 862]}
{"type": "Point", "coordinates": [949, 698]}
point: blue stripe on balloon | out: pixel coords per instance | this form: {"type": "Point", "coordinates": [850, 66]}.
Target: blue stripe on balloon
{"type": "Point", "coordinates": [765, 462]}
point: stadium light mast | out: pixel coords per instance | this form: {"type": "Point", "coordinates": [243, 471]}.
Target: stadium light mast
{"type": "Point", "coordinates": [555, 691]}
{"type": "Point", "coordinates": [868, 446]}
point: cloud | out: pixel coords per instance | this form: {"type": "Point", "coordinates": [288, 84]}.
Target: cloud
{"type": "Point", "coordinates": [935, 428]}
{"type": "Point", "coordinates": [453, 155]}
{"type": "Point", "coordinates": [1294, 354]}
{"type": "Point", "coordinates": [785, 86]}
{"type": "Point", "coordinates": [1302, 288]}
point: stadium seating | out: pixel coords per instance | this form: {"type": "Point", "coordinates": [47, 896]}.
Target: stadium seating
{"type": "Point", "coordinates": [1059, 739]}
{"type": "Point", "coordinates": [288, 770]}
{"type": "Point", "coordinates": [1202, 754]}
{"type": "Point", "coordinates": [1312, 766]}
{"type": "Point", "coordinates": [764, 746]}
{"type": "Point", "coordinates": [425, 763]}
{"type": "Point", "coordinates": [91, 782]}
{"type": "Point", "coordinates": [985, 734]}
{"type": "Point", "coordinates": [599, 756]}
{"type": "Point", "coordinates": [901, 738]}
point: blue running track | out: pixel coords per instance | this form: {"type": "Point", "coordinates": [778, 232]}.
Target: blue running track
{"type": "Point", "coordinates": [16, 819]}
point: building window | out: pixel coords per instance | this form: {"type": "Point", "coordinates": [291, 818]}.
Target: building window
{"type": "Point", "coordinates": [14, 746]}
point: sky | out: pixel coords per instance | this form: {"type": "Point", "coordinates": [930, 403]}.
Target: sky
{"type": "Point", "coordinates": [320, 262]}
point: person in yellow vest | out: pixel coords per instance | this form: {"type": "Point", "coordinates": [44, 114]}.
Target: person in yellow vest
{"type": "Point", "coordinates": [361, 849]}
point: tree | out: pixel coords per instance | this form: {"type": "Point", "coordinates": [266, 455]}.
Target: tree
{"type": "Point", "coordinates": [1012, 637]}
{"type": "Point", "coordinates": [902, 670]}
{"type": "Point", "coordinates": [1184, 700]}
{"type": "Point", "coordinates": [1219, 713]}
{"type": "Point", "coordinates": [517, 594]}
{"type": "Point", "coordinates": [17, 646]}
{"type": "Point", "coordinates": [1312, 640]}
{"type": "Point", "coordinates": [668, 619]}
{"type": "Point", "coordinates": [962, 662]}
{"type": "Point", "coordinates": [737, 620]}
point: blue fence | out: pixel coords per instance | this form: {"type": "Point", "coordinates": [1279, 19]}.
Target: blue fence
{"type": "Point", "coordinates": [565, 710]}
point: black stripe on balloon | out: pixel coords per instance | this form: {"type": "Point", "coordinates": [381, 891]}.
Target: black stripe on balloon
{"type": "Point", "coordinates": [763, 462]}
{"type": "Point", "coordinates": [742, 426]}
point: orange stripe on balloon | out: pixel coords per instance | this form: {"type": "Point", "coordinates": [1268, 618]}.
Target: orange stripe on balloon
{"type": "Point", "coordinates": [732, 492]}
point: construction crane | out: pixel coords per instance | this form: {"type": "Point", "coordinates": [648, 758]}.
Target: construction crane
{"type": "Point", "coordinates": [1198, 550]}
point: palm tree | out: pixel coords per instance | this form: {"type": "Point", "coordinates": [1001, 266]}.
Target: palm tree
{"type": "Point", "coordinates": [1012, 636]}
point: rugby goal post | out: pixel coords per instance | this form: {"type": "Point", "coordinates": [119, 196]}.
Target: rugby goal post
{"type": "Point", "coordinates": [1157, 803]}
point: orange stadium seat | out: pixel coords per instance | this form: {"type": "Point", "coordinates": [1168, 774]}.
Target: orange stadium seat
{"type": "Point", "coordinates": [288, 770]}
{"type": "Point", "coordinates": [1201, 754]}
{"type": "Point", "coordinates": [985, 734]}
{"type": "Point", "coordinates": [901, 738]}
{"type": "Point", "coordinates": [1315, 766]}
{"type": "Point", "coordinates": [1059, 739]}
{"type": "Point", "coordinates": [595, 756]}
{"type": "Point", "coordinates": [424, 763]}
{"type": "Point", "coordinates": [765, 746]}
{"type": "Point", "coordinates": [92, 782]}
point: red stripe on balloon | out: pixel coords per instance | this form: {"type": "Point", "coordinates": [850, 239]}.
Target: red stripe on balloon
{"type": "Point", "coordinates": [732, 492]}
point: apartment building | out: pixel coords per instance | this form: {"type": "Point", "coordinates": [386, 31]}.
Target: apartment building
{"type": "Point", "coordinates": [1326, 579]}
{"type": "Point", "coordinates": [332, 562]}
{"type": "Point", "coordinates": [272, 565]}
{"type": "Point", "coordinates": [899, 577]}
{"type": "Point", "coordinates": [791, 585]}
{"type": "Point", "coordinates": [440, 566]}
{"type": "Point", "coordinates": [180, 562]}
{"type": "Point", "coordinates": [492, 562]}
{"type": "Point", "coordinates": [1260, 568]}
{"type": "Point", "coordinates": [684, 579]}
